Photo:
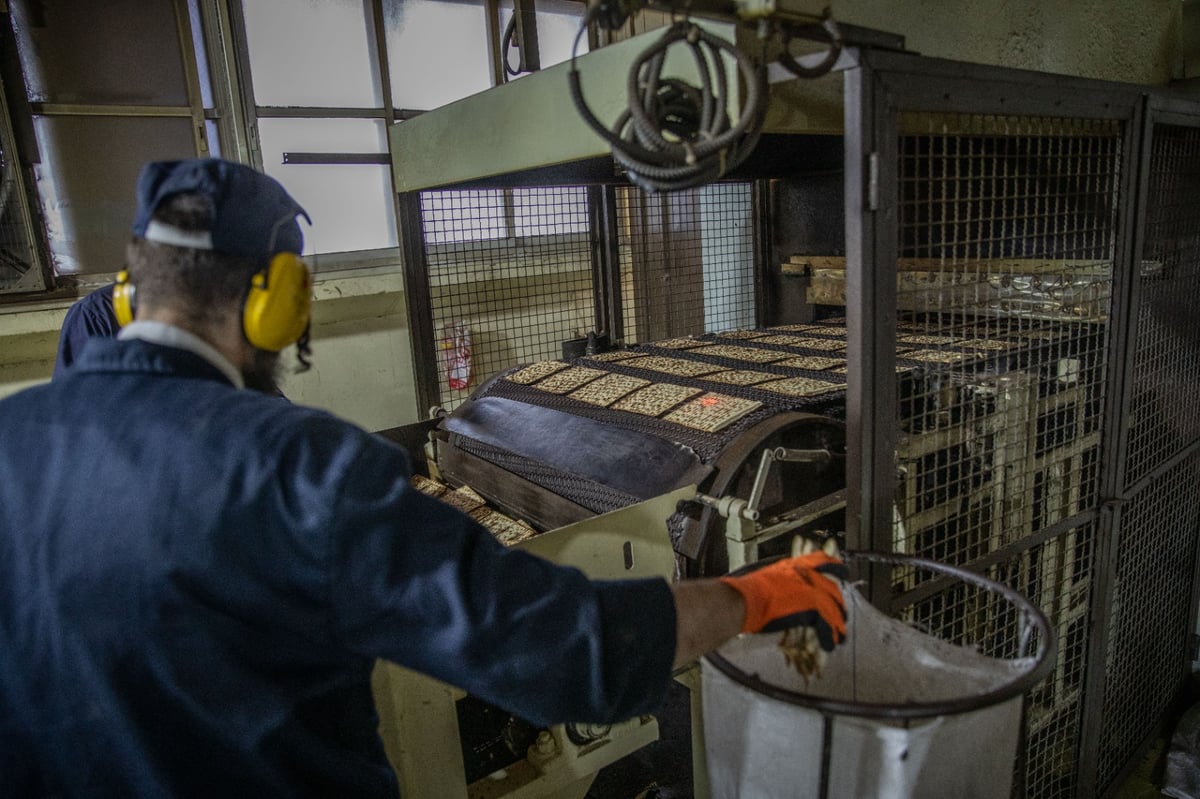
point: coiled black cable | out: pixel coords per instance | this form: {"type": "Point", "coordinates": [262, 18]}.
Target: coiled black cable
{"type": "Point", "coordinates": [673, 135]}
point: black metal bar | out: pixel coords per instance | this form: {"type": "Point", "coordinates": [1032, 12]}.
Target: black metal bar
{"type": "Point", "coordinates": [871, 235]}
{"type": "Point", "coordinates": [241, 54]}
{"type": "Point", "coordinates": [764, 258]}
{"type": "Point", "coordinates": [598, 255]}
{"type": "Point", "coordinates": [379, 28]}
{"type": "Point", "coordinates": [1122, 319]}
{"type": "Point", "coordinates": [525, 36]}
{"type": "Point", "coordinates": [610, 243]}
{"type": "Point", "coordinates": [826, 753]}
{"type": "Point", "coordinates": [419, 301]}
{"type": "Point", "coordinates": [337, 158]}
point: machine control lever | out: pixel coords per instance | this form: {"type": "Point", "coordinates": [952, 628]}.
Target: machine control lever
{"type": "Point", "coordinates": [819, 457]}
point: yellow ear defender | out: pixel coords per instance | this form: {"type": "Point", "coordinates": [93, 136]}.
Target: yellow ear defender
{"type": "Point", "coordinates": [123, 298]}
{"type": "Point", "coordinates": [278, 305]}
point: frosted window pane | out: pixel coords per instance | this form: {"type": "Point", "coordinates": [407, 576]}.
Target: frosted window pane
{"type": "Point", "coordinates": [556, 35]}
{"type": "Point", "coordinates": [123, 52]}
{"type": "Point", "coordinates": [87, 198]}
{"type": "Point", "coordinates": [350, 205]}
{"type": "Point", "coordinates": [437, 52]}
{"type": "Point", "coordinates": [311, 53]}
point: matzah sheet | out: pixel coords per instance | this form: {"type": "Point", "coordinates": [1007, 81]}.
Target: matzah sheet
{"type": "Point", "coordinates": [606, 390]}
{"type": "Point", "coordinates": [462, 500]}
{"type": "Point", "coordinates": [568, 379]}
{"type": "Point", "coordinates": [679, 343]}
{"type": "Point", "coordinates": [989, 344]}
{"type": "Point", "coordinates": [801, 387]}
{"type": "Point", "coordinates": [935, 356]}
{"type": "Point", "coordinates": [736, 334]}
{"type": "Point", "coordinates": [426, 486]}
{"type": "Point", "coordinates": [674, 366]}
{"type": "Point", "coordinates": [615, 355]}
{"type": "Point", "coordinates": [536, 371]}
{"type": "Point", "coordinates": [655, 399]}
{"type": "Point", "coordinates": [741, 377]}
{"type": "Point", "coordinates": [711, 412]}
{"type": "Point", "coordinates": [810, 343]}
{"type": "Point", "coordinates": [736, 353]}
{"type": "Point", "coordinates": [814, 363]}
{"type": "Point", "coordinates": [912, 338]}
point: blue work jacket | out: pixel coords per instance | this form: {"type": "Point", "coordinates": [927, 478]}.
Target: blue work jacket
{"type": "Point", "coordinates": [91, 317]}
{"type": "Point", "coordinates": [196, 580]}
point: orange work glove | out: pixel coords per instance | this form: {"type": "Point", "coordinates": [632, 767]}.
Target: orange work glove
{"type": "Point", "coordinates": [795, 592]}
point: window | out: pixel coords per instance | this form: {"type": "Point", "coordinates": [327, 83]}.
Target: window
{"type": "Point", "coordinates": [318, 84]}
{"type": "Point", "coordinates": [105, 96]}
{"type": "Point", "coordinates": [295, 87]}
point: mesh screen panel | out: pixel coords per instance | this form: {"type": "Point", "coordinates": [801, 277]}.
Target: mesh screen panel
{"type": "Point", "coordinates": [1148, 642]}
{"type": "Point", "coordinates": [1007, 229]}
{"type": "Point", "coordinates": [1166, 384]}
{"type": "Point", "coordinates": [1007, 234]}
{"type": "Point", "coordinates": [687, 261]}
{"type": "Point", "coordinates": [511, 269]}
{"type": "Point", "coordinates": [18, 267]}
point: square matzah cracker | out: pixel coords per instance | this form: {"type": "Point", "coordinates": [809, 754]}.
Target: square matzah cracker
{"type": "Point", "coordinates": [536, 371]}
{"type": "Point", "coordinates": [608, 389]}
{"type": "Point", "coordinates": [735, 334]}
{"type": "Point", "coordinates": [655, 399]}
{"type": "Point", "coordinates": [674, 366]}
{"type": "Point", "coordinates": [736, 353]}
{"type": "Point", "coordinates": [934, 356]}
{"type": "Point", "coordinates": [813, 363]}
{"type": "Point", "coordinates": [615, 355]}
{"type": "Point", "coordinates": [710, 412]}
{"type": "Point", "coordinates": [462, 500]}
{"type": "Point", "coordinates": [810, 343]}
{"type": "Point", "coordinates": [801, 387]}
{"type": "Point", "coordinates": [679, 343]}
{"type": "Point", "coordinates": [994, 345]}
{"type": "Point", "coordinates": [913, 338]}
{"type": "Point", "coordinates": [426, 486]}
{"type": "Point", "coordinates": [568, 379]}
{"type": "Point", "coordinates": [741, 377]}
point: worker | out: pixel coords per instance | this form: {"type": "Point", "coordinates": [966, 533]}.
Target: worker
{"type": "Point", "coordinates": [196, 578]}
{"type": "Point", "coordinates": [90, 317]}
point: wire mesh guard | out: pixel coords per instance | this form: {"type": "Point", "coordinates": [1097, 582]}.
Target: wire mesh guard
{"type": "Point", "coordinates": [898, 709]}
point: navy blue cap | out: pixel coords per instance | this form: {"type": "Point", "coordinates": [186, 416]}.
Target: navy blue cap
{"type": "Point", "coordinates": [253, 215]}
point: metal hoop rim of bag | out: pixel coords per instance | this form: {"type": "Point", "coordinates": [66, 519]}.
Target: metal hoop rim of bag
{"type": "Point", "coordinates": [1033, 620]}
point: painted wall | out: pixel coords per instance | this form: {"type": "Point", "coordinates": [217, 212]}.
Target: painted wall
{"type": "Point", "coordinates": [1135, 41]}
{"type": "Point", "coordinates": [362, 361]}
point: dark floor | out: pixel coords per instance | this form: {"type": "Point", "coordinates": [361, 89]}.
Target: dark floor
{"type": "Point", "coordinates": [662, 770]}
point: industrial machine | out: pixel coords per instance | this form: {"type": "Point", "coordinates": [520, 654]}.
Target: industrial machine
{"type": "Point", "coordinates": [937, 307]}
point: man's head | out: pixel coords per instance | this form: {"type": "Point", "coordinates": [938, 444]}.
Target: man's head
{"type": "Point", "coordinates": [216, 248]}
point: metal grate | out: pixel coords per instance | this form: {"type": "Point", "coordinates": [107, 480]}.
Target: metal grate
{"type": "Point", "coordinates": [19, 268]}
{"type": "Point", "coordinates": [1007, 230]}
{"type": "Point", "coordinates": [1166, 384]}
{"type": "Point", "coordinates": [1148, 644]}
{"type": "Point", "coordinates": [1007, 234]}
{"type": "Point", "coordinates": [510, 278]}
{"type": "Point", "coordinates": [687, 261]}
